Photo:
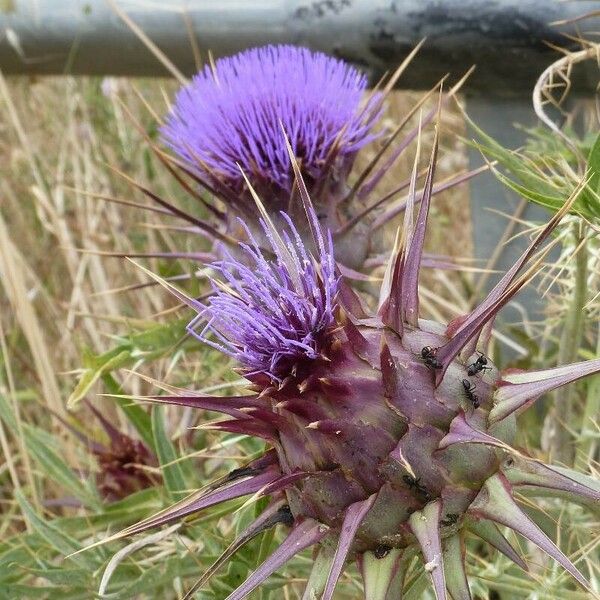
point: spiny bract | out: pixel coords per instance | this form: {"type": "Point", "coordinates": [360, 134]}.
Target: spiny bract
{"type": "Point", "coordinates": [388, 433]}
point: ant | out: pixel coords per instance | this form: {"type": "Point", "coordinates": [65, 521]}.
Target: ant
{"type": "Point", "coordinates": [240, 472]}
{"type": "Point", "coordinates": [450, 519]}
{"type": "Point", "coordinates": [285, 516]}
{"type": "Point", "coordinates": [469, 389]}
{"type": "Point", "coordinates": [419, 488]}
{"type": "Point", "coordinates": [381, 551]}
{"type": "Point", "coordinates": [478, 366]}
{"type": "Point", "coordinates": [428, 355]}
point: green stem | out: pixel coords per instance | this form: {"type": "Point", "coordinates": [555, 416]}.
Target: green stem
{"type": "Point", "coordinates": [589, 433]}
{"type": "Point", "coordinates": [319, 572]}
{"type": "Point", "coordinates": [378, 573]}
{"type": "Point", "coordinates": [561, 444]}
{"type": "Point", "coordinates": [264, 542]}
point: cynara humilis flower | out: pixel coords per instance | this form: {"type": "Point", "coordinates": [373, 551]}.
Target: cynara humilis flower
{"type": "Point", "coordinates": [125, 465]}
{"type": "Point", "coordinates": [230, 118]}
{"type": "Point", "coordinates": [229, 125]}
{"type": "Point", "coordinates": [388, 434]}
{"type": "Point", "coordinates": [272, 314]}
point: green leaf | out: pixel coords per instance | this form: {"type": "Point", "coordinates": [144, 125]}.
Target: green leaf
{"type": "Point", "coordinates": [554, 203]}
{"type": "Point", "coordinates": [513, 163]}
{"type": "Point", "coordinates": [47, 592]}
{"type": "Point", "coordinates": [7, 415]}
{"type": "Point", "coordinates": [59, 541]}
{"type": "Point", "coordinates": [591, 194]}
{"type": "Point", "coordinates": [91, 376]}
{"type": "Point", "coordinates": [64, 576]}
{"type": "Point", "coordinates": [546, 189]}
{"type": "Point", "coordinates": [167, 456]}
{"type": "Point", "coordinates": [131, 509]}
{"type": "Point", "coordinates": [150, 344]}
{"type": "Point", "coordinates": [594, 165]}
{"type": "Point", "coordinates": [148, 584]}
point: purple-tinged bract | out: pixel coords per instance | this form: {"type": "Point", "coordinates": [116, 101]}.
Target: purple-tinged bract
{"type": "Point", "coordinates": [271, 314]}
{"type": "Point", "coordinates": [232, 118]}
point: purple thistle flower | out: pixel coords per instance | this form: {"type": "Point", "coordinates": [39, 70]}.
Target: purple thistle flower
{"type": "Point", "coordinates": [233, 121]}
{"type": "Point", "coordinates": [271, 314]}
{"type": "Point", "coordinates": [232, 116]}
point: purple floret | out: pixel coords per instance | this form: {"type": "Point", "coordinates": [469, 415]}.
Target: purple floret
{"type": "Point", "coordinates": [232, 116]}
{"type": "Point", "coordinates": [270, 314]}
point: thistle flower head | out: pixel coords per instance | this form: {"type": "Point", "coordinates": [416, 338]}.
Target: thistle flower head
{"type": "Point", "coordinates": [270, 313]}
{"type": "Point", "coordinates": [399, 441]}
{"type": "Point", "coordinates": [233, 116]}
{"type": "Point", "coordinates": [125, 465]}
{"type": "Point", "coordinates": [124, 468]}
{"type": "Point", "coordinates": [233, 122]}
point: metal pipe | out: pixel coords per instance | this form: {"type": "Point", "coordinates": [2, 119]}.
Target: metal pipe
{"type": "Point", "coordinates": [505, 38]}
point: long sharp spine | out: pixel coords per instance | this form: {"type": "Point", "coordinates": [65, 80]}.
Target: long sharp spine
{"type": "Point", "coordinates": [495, 502]}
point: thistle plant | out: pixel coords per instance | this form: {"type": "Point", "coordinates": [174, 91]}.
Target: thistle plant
{"type": "Point", "coordinates": [125, 465]}
{"type": "Point", "coordinates": [232, 113]}
{"type": "Point", "coordinates": [387, 435]}
{"type": "Point", "coordinates": [233, 118]}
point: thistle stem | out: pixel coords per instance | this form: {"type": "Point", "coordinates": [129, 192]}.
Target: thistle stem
{"type": "Point", "coordinates": [561, 442]}
{"type": "Point", "coordinates": [589, 443]}
{"type": "Point", "coordinates": [320, 571]}
{"type": "Point", "coordinates": [266, 540]}
{"type": "Point", "coordinates": [378, 573]}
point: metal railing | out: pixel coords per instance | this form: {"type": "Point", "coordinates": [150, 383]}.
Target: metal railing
{"type": "Point", "coordinates": [506, 39]}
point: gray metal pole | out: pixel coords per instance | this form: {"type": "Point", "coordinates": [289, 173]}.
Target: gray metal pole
{"type": "Point", "coordinates": [497, 116]}
{"type": "Point", "coordinates": [505, 38]}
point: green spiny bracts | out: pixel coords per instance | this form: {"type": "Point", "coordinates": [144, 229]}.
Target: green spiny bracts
{"type": "Point", "coordinates": [389, 434]}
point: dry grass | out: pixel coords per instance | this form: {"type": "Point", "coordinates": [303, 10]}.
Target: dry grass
{"type": "Point", "coordinates": [57, 136]}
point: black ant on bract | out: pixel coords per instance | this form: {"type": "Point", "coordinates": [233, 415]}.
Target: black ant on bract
{"type": "Point", "coordinates": [415, 483]}
{"type": "Point", "coordinates": [428, 355]}
{"type": "Point", "coordinates": [381, 551]}
{"type": "Point", "coordinates": [450, 519]}
{"type": "Point", "coordinates": [469, 389]}
{"type": "Point", "coordinates": [479, 365]}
